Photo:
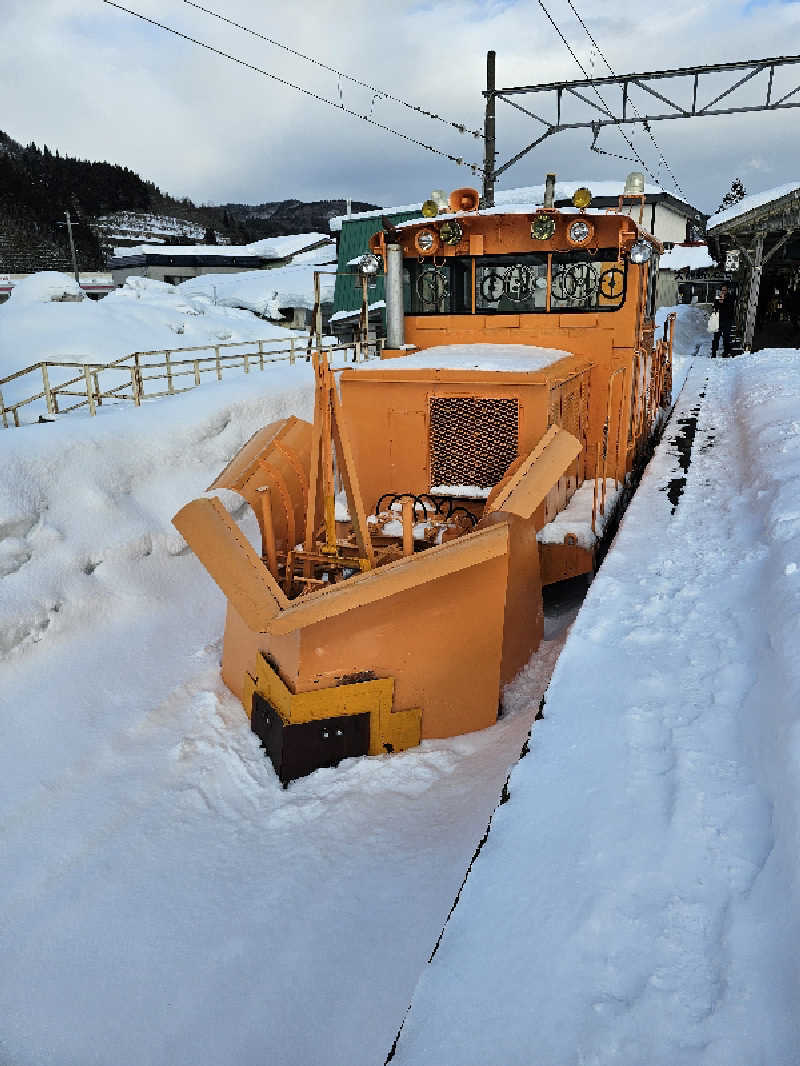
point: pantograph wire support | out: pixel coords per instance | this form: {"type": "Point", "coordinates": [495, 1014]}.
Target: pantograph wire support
{"type": "Point", "coordinates": [645, 123]}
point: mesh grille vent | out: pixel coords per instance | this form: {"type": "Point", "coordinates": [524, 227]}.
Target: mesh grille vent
{"type": "Point", "coordinates": [473, 441]}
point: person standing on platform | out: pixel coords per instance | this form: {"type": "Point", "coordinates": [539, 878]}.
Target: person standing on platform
{"type": "Point", "coordinates": [725, 305]}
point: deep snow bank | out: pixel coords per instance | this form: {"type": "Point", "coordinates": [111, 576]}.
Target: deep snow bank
{"type": "Point", "coordinates": [85, 491]}
{"type": "Point", "coordinates": [144, 315]}
{"type": "Point", "coordinates": [638, 898]}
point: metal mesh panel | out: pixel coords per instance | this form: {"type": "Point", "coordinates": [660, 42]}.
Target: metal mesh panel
{"type": "Point", "coordinates": [473, 440]}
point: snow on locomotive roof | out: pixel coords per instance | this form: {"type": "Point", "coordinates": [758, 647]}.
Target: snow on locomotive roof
{"type": "Point", "coordinates": [508, 201]}
{"type": "Point", "coordinates": [511, 358]}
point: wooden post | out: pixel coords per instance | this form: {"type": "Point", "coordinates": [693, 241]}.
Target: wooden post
{"type": "Point", "coordinates": [317, 312]}
{"type": "Point", "coordinates": [408, 526]}
{"type": "Point", "coordinates": [3, 411]}
{"type": "Point", "coordinates": [268, 547]}
{"type": "Point", "coordinates": [89, 395]}
{"type": "Point", "coordinates": [752, 296]}
{"type": "Point", "coordinates": [292, 355]}
{"type": "Point", "coordinates": [219, 364]}
{"type": "Point", "coordinates": [135, 387]}
{"type": "Point", "coordinates": [168, 363]}
{"type": "Point", "coordinates": [139, 382]}
{"type": "Point", "coordinates": [246, 363]}
{"type": "Point", "coordinates": [48, 397]}
{"type": "Point", "coordinates": [261, 354]}
{"type": "Point", "coordinates": [97, 391]}
{"type": "Point", "coordinates": [197, 371]}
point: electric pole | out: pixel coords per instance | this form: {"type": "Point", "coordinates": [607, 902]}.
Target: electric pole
{"type": "Point", "coordinates": [488, 135]}
{"type": "Point", "coordinates": [72, 248]}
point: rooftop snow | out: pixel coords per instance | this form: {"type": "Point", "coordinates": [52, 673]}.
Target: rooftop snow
{"type": "Point", "coordinates": [681, 256]}
{"type": "Point", "coordinates": [527, 198]}
{"type": "Point", "coordinates": [268, 248]}
{"type": "Point", "coordinates": [516, 358]}
{"type": "Point", "coordinates": [263, 291]}
{"type": "Point", "coordinates": [750, 203]}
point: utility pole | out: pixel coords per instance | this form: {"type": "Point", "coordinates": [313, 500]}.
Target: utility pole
{"type": "Point", "coordinates": [488, 135]}
{"type": "Point", "coordinates": [72, 248]}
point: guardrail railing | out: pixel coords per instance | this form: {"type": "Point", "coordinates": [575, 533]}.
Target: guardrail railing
{"type": "Point", "coordinates": [130, 377]}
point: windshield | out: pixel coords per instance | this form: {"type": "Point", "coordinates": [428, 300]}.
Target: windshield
{"type": "Point", "coordinates": [521, 283]}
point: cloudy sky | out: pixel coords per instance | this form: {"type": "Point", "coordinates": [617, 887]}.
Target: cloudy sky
{"type": "Point", "coordinates": [93, 81]}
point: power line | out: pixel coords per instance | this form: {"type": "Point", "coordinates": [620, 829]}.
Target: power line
{"type": "Point", "coordinates": [646, 124]}
{"type": "Point", "coordinates": [379, 93]}
{"type": "Point", "coordinates": [585, 73]}
{"type": "Point", "coordinates": [474, 167]}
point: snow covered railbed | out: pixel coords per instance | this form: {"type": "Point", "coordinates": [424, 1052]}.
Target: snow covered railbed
{"type": "Point", "coordinates": [638, 899]}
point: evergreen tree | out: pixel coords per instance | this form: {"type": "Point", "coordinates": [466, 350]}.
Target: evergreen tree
{"type": "Point", "coordinates": [736, 193]}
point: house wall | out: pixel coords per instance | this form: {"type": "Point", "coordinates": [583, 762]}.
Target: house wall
{"type": "Point", "coordinates": [670, 225]}
{"type": "Point", "coordinates": [165, 272]}
{"type": "Point", "coordinates": [666, 289]}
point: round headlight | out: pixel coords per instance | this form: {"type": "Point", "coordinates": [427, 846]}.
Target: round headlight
{"type": "Point", "coordinates": [641, 252]}
{"type": "Point", "coordinates": [451, 232]}
{"type": "Point", "coordinates": [368, 265]}
{"type": "Point", "coordinates": [580, 232]}
{"type": "Point", "coordinates": [543, 227]}
{"type": "Point", "coordinates": [582, 197]}
{"type": "Point", "coordinates": [426, 242]}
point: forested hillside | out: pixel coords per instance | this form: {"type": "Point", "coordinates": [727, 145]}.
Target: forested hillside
{"type": "Point", "coordinates": [37, 186]}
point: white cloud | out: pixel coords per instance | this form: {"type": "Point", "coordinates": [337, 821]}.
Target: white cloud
{"type": "Point", "coordinates": [94, 82]}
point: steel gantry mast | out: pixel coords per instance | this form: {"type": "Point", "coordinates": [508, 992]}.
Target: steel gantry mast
{"type": "Point", "coordinates": [553, 95]}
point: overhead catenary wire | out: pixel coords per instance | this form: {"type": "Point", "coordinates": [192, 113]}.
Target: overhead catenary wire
{"type": "Point", "coordinates": [379, 93]}
{"type": "Point", "coordinates": [458, 160]}
{"type": "Point", "coordinates": [645, 123]}
{"type": "Point", "coordinates": [585, 73]}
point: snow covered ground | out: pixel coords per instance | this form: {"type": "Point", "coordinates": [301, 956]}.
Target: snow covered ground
{"type": "Point", "coordinates": [163, 900]}
{"type": "Point", "coordinates": [637, 900]}
{"type": "Point", "coordinates": [143, 315]}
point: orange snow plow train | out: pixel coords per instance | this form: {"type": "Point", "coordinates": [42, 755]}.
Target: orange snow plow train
{"type": "Point", "coordinates": [398, 608]}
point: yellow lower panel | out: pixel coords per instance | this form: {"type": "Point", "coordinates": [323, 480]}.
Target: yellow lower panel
{"type": "Point", "coordinates": [396, 729]}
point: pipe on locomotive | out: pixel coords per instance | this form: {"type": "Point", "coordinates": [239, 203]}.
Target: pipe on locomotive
{"type": "Point", "coordinates": [395, 326]}
{"type": "Point", "coordinates": [549, 191]}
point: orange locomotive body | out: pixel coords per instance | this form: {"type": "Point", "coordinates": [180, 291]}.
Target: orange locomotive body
{"type": "Point", "coordinates": [519, 385]}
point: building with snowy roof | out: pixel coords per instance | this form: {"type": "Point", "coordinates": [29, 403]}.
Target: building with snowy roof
{"type": "Point", "coordinates": [686, 274]}
{"type": "Point", "coordinates": [177, 263]}
{"type": "Point", "coordinates": [759, 238]}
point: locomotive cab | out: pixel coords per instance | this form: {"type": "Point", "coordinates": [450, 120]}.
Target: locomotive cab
{"type": "Point", "coordinates": [575, 280]}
